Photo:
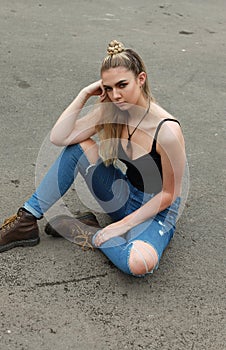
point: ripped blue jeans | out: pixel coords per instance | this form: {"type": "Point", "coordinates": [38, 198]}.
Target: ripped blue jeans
{"type": "Point", "coordinates": [115, 194]}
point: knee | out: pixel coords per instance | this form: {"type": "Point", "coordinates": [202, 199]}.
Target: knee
{"type": "Point", "coordinates": [86, 144]}
{"type": "Point", "coordinates": [90, 148]}
{"type": "Point", "coordinates": [143, 258]}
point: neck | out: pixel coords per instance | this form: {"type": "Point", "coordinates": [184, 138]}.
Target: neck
{"type": "Point", "coordinates": [137, 111]}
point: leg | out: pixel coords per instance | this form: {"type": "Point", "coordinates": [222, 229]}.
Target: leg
{"type": "Point", "coordinates": [21, 229]}
{"type": "Point", "coordinates": [60, 177]}
{"type": "Point", "coordinates": [107, 184]}
{"type": "Point", "coordinates": [136, 258]}
{"type": "Point", "coordinates": [140, 252]}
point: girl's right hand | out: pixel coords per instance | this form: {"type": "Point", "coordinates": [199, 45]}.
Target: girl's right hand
{"type": "Point", "coordinates": [96, 89]}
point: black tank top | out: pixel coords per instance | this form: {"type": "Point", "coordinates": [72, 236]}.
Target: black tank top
{"type": "Point", "coordinates": [145, 172]}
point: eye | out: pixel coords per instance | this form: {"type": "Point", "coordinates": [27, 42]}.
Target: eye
{"type": "Point", "coordinates": [122, 85]}
{"type": "Point", "coordinates": [107, 88]}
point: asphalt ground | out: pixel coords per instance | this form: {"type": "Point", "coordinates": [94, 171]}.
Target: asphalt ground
{"type": "Point", "coordinates": [55, 296]}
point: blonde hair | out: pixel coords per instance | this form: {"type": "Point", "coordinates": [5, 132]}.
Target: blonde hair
{"type": "Point", "coordinates": [110, 131]}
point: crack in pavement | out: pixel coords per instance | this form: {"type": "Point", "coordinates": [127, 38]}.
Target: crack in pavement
{"type": "Point", "coordinates": [56, 283]}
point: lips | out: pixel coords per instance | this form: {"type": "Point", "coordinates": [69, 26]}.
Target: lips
{"type": "Point", "coordinates": [120, 104]}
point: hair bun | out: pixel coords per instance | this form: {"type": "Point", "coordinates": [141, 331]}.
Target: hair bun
{"type": "Point", "coordinates": [115, 47]}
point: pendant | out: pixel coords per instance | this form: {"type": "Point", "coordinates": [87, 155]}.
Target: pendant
{"type": "Point", "coordinates": [129, 148]}
{"type": "Point", "coordinates": [128, 144]}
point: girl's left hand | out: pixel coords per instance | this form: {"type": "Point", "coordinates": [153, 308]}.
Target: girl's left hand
{"type": "Point", "coordinates": [113, 230]}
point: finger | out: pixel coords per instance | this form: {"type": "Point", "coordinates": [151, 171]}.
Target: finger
{"type": "Point", "coordinates": [98, 240]}
{"type": "Point", "coordinates": [102, 97]}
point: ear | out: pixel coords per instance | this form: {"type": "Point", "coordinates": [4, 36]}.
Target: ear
{"type": "Point", "coordinates": [142, 78]}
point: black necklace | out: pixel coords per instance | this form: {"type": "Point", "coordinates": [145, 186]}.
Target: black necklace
{"type": "Point", "coordinates": [129, 146]}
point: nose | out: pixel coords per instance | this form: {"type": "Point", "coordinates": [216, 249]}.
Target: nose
{"type": "Point", "coordinates": [116, 94]}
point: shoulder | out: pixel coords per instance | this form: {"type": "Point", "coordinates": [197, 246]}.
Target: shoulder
{"type": "Point", "coordinates": [170, 134]}
{"type": "Point", "coordinates": [166, 122]}
{"type": "Point", "coordinates": [169, 126]}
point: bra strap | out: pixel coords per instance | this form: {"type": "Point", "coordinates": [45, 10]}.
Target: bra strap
{"type": "Point", "coordinates": [157, 131]}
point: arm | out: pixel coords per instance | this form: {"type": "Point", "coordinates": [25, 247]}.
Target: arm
{"type": "Point", "coordinates": [171, 148]}
{"type": "Point", "coordinates": [68, 129]}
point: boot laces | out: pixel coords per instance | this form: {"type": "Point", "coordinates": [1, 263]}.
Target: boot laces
{"type": "Point", "coordinates": [10, 220]}
{"type": "Point", "coordinates": [82, 238]}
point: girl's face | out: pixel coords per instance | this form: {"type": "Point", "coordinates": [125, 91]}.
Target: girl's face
{"type": "Point", "coordinates": [123, 88]}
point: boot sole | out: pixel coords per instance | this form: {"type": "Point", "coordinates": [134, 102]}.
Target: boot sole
{"type": "Point", "coordinates": [22, 243]}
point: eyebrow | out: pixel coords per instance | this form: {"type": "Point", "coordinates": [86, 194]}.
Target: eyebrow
{"type": "Point", "coordinates": [118, 83]}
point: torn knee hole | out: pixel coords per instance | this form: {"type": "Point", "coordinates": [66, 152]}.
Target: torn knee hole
{"type": "Point", "coordinates": [143, 258]}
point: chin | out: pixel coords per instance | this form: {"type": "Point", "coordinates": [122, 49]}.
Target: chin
{"type": "Point", "coordinates": [123, 106]}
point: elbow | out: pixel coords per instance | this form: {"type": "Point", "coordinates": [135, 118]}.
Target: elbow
{"type": "Point", "coordinates": [52, 138]}
{"type": "Point", "coordinates": [55, 140]}
{"type": "Point", "coordinates": [168, 198]}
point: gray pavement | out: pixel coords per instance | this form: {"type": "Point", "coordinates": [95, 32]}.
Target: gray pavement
{"type": "Point", "coordinates": [55, 296]}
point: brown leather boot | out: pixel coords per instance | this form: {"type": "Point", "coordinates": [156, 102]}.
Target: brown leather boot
{"type": "Point", "coordinates": [79, 229]}
{"type": "Point", "coordinates": [19, 230]}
